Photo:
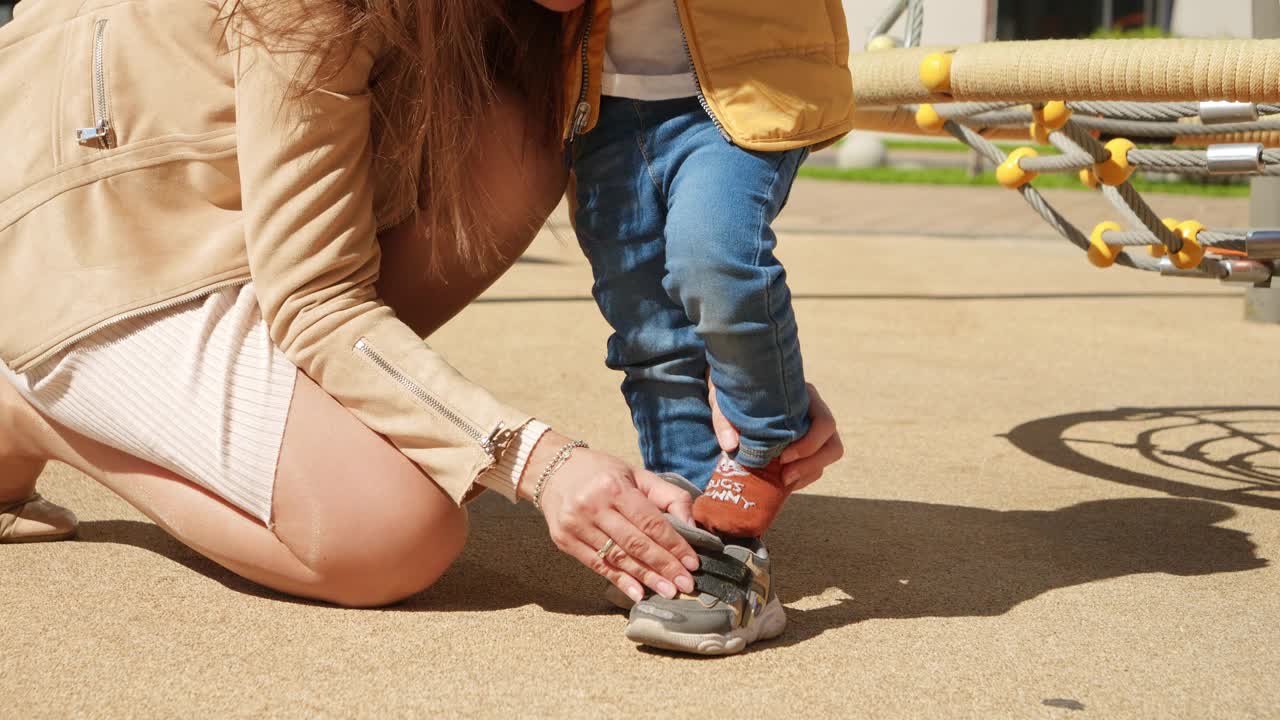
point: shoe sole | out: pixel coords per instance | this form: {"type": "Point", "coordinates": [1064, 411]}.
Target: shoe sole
{"type": "Point", "coordinates": [650, 632]}
{"type": "Point", "coordinates": [51, 537]}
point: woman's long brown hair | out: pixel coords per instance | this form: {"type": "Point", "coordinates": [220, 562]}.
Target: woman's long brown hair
{"type": "Point", "coordinates": [444, 63]}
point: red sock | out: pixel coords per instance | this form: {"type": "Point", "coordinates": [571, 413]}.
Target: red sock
{"type": "Point", "coordinates": [741, 501]}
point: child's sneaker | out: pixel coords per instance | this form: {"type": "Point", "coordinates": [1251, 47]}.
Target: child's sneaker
{"type": "Point", "coordinates": [735, 606]}
{"type": "Point", "coordinates": [741, 501]}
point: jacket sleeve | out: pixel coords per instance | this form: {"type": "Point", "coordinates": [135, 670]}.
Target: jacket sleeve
{"type": "Point", "coordinates": [311, 236]}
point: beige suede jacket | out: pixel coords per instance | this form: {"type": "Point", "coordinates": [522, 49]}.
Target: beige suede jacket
{"type": "Point", "coordinates": [146, 163]}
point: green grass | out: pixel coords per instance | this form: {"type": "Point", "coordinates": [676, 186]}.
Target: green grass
{"type": "Point", "coordinates": [1135, 33]}
{"type": "Point", "coordinates": [960, 176]}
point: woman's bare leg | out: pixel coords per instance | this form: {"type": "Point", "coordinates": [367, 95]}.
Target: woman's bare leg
{"type": "Point", "coordinates": [356, 522]}
{"type": "Point", "coordinates": [20, 461]}
{"type": "Point", "coordinates": [17, 475]}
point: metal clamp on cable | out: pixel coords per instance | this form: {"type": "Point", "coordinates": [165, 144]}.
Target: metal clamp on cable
{"type": "Point", "coordinates": [1234, 158]}
{"type": "Point", "coordinates": [1218, 112]}
{"type": "Point", "coordinates": [1262, 244]}
{"type": "Point", "coordinates": [1253, 272]}
{"type": "Point", "coordinates": [1228, 270]}
{"type": "Point", "coordinates": [1207, 268]}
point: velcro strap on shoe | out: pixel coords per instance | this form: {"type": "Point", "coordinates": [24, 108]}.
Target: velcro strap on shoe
{"type": "Point", "coordinates": [699, 539]}
{"type": "Point", "coordinates": [716, 587]}
{"type": "Point", "coordinates": [724, 566]}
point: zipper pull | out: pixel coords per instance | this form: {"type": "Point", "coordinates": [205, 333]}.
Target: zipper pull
{"type": "Point", "coordinates": [98, 133]}
{"type": "Point", "coordinates": [498, 441]}
{"type": "Point", "coordinates": [580, 114]}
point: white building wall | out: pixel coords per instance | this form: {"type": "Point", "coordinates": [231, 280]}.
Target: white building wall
{"type": "Point", "coordinates": [1213, 18]}
{"type": "Point", "coordinates": [946, 22]}
{"type": "Point", "coordinates": [954, 22]}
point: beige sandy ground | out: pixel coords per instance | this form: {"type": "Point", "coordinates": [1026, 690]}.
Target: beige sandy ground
{"type": "Point", "coordinates": [1061, 492]}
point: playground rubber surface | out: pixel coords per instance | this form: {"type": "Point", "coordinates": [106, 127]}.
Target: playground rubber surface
{"type": "Point", "coordinates": [1061, 498]}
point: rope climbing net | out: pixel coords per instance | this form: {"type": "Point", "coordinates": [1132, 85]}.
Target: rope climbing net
{"type": "Point", "coordinates": [1109, 108]}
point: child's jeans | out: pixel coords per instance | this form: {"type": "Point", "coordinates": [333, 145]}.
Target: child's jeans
{"type": "Point", "coordinates": [676, 223]}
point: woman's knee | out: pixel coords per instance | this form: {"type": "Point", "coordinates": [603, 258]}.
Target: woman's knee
{"type": "Point", "coordinates": [392, 564]}
{"type": "Point", "coordinates": [20, 426]}
{"type": "Point", "coordinates": [367, 525]}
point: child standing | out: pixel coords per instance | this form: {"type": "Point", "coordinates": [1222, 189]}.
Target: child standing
{"type": "Point", "coordinates": [688, 120]}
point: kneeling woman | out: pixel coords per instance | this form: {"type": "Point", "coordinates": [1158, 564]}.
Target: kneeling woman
{"type": "Point", "coordinates": [204, 230]}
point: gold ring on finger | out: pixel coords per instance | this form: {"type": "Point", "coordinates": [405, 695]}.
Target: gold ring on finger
{"type": "Point", "coordinates": [605, 550]}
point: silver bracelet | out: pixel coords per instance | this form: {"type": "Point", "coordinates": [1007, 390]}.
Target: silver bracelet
{"type": "Point", "coordinates": [559, 460]}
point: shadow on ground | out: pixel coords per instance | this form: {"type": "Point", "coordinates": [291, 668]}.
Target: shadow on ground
{"type": "Point", "coordinates": [1224, 454]}
{"type": "Point", "coordinates": [843, 560]}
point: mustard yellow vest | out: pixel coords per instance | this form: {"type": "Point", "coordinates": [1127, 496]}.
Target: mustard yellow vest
{"type": "Point", "coordinates": [772, 75]}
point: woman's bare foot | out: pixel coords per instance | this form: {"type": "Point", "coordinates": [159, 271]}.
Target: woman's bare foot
{"type": "Point", "coordinates": [20, 466]}
{"type": "Point", "coordinates": [25, 517]}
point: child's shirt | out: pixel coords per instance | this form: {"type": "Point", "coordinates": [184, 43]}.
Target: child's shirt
{"type": "Point", "coordinates": [645, 57]}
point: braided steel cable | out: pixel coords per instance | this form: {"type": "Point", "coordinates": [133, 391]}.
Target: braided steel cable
{"type": "Point", "coordinates": [1183, 162]}
{"type": "Point", "coordinates": [1234, 148]}
{"type": "Point", "coordinates": [988, 116]}
{"type": "Point", "coordinates": [886, 21]}
{"type": "Point", "coordinates": [1138, 111]}
{"type": "Point", "coordinates": [1081, 150]}
{"type": "Point", "coordinates": [915, 23]}
{"type": "Point", "coordinates": [1226, 240]}
{"type": "Point", "coordinates": [1135, 128]}
{"type": "Point", "coordinates": [965, 110]}
{"type": "Point", "coordinates": [1067, 162]}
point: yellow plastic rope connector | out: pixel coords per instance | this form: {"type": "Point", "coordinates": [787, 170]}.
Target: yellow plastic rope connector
{"type": "Point", "coordinates": [1010, 174]}
{"type": "Point", "coordinates": [1089, 178]}
{"type": "Point", "coordinates": [928, 119]}
{"type": "Point", "coordinates": [1192, 252]}
{"type": "Point", "coordinates": [1116, 169]}
{"type": "Point", "coordinates": [935, 72]}
{"type": "Point", "coordinates": [883, 42]}
{"type": "Point", "coordinates": [1158, 250]}
{"type": "Point", "coordinates": [1053, 115]}
{"type": "Point", "coordinates": [1048, 119]}
{"type": "Point", "coordinates": [1101, 254]}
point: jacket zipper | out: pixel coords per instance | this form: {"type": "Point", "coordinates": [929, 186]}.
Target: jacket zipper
{"type": "Point", "coordinates": [143, 312]}
{"type": "Point", "coordinates": [582, 110]}
{"type": "Point", "coordinates": [493, 443]}
{"type": "Point", "coordinates": [101, 130]}
{"type": "Point", "coordinates": [697, 82]}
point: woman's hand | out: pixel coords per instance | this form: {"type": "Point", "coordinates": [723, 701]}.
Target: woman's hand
{"type": "Point", "coordinates": [595, 497]}
{"type": "Point", "coordinates": [807, 458]}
